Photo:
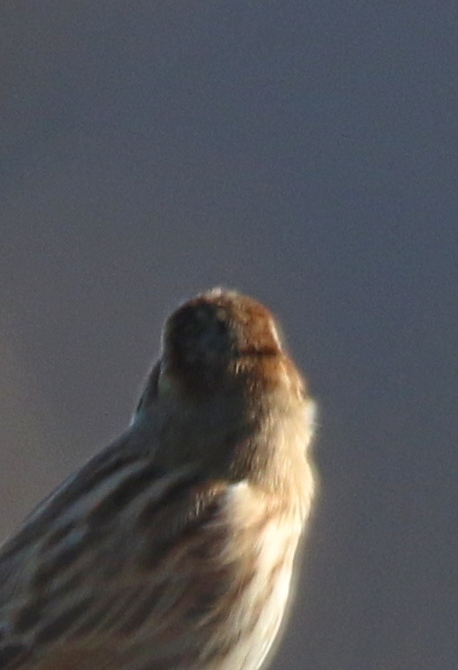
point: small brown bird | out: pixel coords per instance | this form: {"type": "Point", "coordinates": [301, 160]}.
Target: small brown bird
{"type": "Point", "coordinates": [173, 548]}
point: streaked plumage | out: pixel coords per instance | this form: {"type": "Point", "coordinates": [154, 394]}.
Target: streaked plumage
{"type": "Point", "coordinates": [173, 548]}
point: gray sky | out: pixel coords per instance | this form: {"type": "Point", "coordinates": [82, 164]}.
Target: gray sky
{"type": "Point", "coordinates": [305, 153]}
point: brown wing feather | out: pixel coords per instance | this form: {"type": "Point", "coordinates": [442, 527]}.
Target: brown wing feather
{"type": "Point", "coordinates": [137, 566]}
{"type": "Point", "coordinates": [74, 658]}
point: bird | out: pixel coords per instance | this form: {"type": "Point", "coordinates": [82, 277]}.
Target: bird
{"type": "Point", "coordinates": [175, 547]}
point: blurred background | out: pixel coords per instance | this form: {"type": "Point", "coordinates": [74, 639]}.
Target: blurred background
{"type": "Point", "coordinates": [305, 153]}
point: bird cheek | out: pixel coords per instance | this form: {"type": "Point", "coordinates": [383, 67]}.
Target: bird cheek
{"type": "Point", "coordinates": [165, 384]}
